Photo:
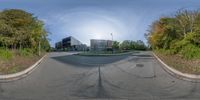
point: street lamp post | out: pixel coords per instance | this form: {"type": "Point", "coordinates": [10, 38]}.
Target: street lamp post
{"type": "Point", "coordinates": [112, 41]}
{"type": "Point", "coordinates": [112, 36]}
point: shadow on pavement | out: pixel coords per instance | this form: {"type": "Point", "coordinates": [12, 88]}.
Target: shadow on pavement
{"type": "Point", "coordinates": [88, 61]}
{"type": "Point", "coordinates": [142, 55]}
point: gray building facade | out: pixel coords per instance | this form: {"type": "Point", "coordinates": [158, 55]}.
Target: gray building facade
{"type": "Point", "coordinates": [100, 45]}
{"type": "Point", "coordinates": [70, 44]}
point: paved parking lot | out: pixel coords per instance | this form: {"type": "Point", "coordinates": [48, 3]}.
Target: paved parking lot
{"type": "Point", "coordinates": [63, 76]}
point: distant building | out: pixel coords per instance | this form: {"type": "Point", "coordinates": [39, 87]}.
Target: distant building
{"type": "Point", "coordinates": [100, 45]}
{"type": "Point", "coordinates": [70, 44]}
{"type": "Point", "coordinates": [58, 45]}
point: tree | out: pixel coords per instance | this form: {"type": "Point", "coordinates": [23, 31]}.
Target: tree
{"type": "Point", "coordinates": [139, 45]}
{"type": "Point", "coordinates": [133, 45]}
{"type": "Point", "coordinates": [115, 45]}
{"type": "Point", "coordinates": [125, 45]}
{"type": "Point", "coordinates": [176, 34]}
{"type": "Point", "coordinates": [162, 32]}
{"type": "Point", "coordinates": [20, 29]}
{"type": "Point", "coordinates": [186, 20]}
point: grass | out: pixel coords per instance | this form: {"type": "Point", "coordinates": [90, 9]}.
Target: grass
{"type": "Point", "coordinates": [5, 54]}
{"type": "Point", "coordinates": [179, 62]}
{"type": "Point", "coordinates": [12, 61]}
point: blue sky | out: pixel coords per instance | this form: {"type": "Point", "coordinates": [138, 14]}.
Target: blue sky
{"type": "Point", "coordinates": [87, 19]}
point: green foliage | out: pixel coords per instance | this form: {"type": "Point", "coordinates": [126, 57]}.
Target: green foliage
{"type": "Point", "coordinates": [5, 54]}
{"type": "Point", "coordinates": [139, 45]}
{"type": "Point", "coordinates": [165, 52]}
{"type": "Point", "coordinates": [133, 45]}
{"type": "Point", "coordinates": [115, 45]}
{"type": "Point", "coordinates": [162, 32]}
{"type": "Point", "coordinates": [190, 51]}
{"type": "Point", "coordinates": [26, 52]}
{"type": "Point", "coordinates": [177, 45]}
{"type": "Point", "coordinates": [20, 29]}
{"type": "Point", "coordinates": [179, 34]}
{"type": "Point", "coordinates": [193, 38]}
{"type": "Point", "coordinates": [125, 45]}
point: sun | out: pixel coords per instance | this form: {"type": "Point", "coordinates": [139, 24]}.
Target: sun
{"type": "Point", "coordinates": [98, 36]}
{"type": "Point", "coordinates": [98, 29]}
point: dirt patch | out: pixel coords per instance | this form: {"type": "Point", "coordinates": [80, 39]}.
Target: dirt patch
{"type": "Point", "coordinates": [17, 63]}
{"type": "Point", "coordinates": [181, 64]}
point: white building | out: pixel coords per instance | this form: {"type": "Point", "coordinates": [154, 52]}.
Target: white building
{"type": "Point", "coordinates": [100, 45]}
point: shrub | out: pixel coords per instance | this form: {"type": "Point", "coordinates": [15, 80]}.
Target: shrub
{"type": "Point", "coordinates": [190, 51]}
{"type": "Point", "coordinates": [177, 46]}
{"type": "Point", "coordinates": [166, 51]}
{"type": "Point", "coordinates": [5, 54]}
{"type": "Point", "coordinates": [26, 52]}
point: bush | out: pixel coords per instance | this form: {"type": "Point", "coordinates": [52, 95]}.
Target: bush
{"type": "Point", "coordinates": [177, 46]}
{"type": "Point", "coordinates": [190, 51]}
{"type": "Point", "coordinates": [165, 51]}
{"type": "Point", "coordinates": [6, 54]}
{"type": "Point", "coordinates": [26, 52]}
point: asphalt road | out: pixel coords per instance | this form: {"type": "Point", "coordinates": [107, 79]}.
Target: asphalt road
{"type": "Point", "coordinates": [62, 76]}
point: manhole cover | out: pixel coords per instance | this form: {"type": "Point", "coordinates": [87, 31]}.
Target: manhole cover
{"type": "Point", "coordinates": [139, 65]}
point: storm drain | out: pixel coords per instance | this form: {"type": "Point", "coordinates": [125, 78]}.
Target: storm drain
{"type": "Point", "coordinates": [139, 65]}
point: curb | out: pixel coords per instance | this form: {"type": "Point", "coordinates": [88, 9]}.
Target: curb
{"type": "Point", "coordinates": [19, 75]}
{"type": "Point", "coordinates": [178, 74]}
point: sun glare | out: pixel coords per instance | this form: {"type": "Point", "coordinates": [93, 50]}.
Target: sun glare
{"type": "Point", "coordinates": [99, 29]}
